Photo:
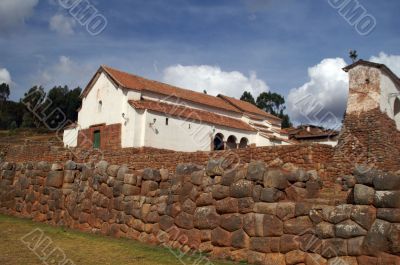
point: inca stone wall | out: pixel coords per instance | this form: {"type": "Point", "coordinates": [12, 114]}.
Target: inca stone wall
{"type": "Point", "coordinates": [258, 213]}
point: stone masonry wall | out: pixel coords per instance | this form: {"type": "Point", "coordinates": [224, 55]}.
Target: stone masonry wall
{"type": "Point", "coordinates": [367, 138]}
{"type": "Point", "coordinates": [312, 156]}
{"type": "Point", "coordinates": [253, 213]}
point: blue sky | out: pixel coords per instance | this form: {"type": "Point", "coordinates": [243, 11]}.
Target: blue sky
{"type": "Point", "coordinates": [265, 44]}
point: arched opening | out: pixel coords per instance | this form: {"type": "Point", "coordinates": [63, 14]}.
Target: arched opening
{"type": "Point", "coordinates": [218, 141]}
{"type": "Point", "coordinates": [244, 142]}
{"type": "Point", "coordinates": [231, 142]}
{"type": "Point", "coordinates": [396, 109]}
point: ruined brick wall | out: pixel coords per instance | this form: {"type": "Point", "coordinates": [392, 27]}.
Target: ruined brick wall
{"type": "Point", "coordinates": [110, 136]}
{"type": "Point", "coordinates": [312, 156]}
{"type": "Point", "coordinates": [251, 213]}
{"type": "Point", "coordinates": [368, 138]}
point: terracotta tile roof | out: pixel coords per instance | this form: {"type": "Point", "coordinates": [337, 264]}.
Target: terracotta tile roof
{"type": "Point", "coordinates": [191, 114]}
{"type": "Point", "coordinates": [248, 108]}
{"type": "Point", "coordinates": [311, 132]}
{"type": "Point", "coordinates": [134, 82]}
{"type": "Point", "coordinates": [275, 138]}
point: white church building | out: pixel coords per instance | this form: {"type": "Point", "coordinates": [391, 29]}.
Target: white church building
{"type": "Point", "coordinates": [121, 110]}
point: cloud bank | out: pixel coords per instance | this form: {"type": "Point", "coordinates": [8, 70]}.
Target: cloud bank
{"type": "Point", "coordinates": [214, 80]}
{"type": "Point", "coordinates": [5, 76]}
{"type": "Point", "coordinates": [322, 100]}
{"type": "Point", "coordinates": [62, 25]}
{"type": "Point", "coordinates": [13, 13]}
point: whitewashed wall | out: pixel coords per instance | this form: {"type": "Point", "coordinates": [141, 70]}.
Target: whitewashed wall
{"type": "Point", "coordinates": [389, 92]}
{"type": "Point", "coordinates": [70, 137]}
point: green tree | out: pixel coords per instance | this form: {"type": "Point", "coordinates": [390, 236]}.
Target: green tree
{"type": "Point", "coordinates": [247, 96]}
{"type": "Point", "coordinates": [274, 103]}
{"type": "Point", "coordinates": [4, 92]}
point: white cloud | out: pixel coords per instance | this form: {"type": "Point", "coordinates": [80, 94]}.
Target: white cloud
{"type": "Point", "coordinates": [214, 80]}
{"type": "Point", "coordinates": [64, 72]}
{"type": "Point", "coordinates": [391, 61]}
{"type": "Point", "coordinates": [62, 25]}
{"type": "Point", "coordinates": [323, 99]}
{"type": "Point", "coordinates": [13, 13]}
{"type": "Point", "coordinates": [5, 76]}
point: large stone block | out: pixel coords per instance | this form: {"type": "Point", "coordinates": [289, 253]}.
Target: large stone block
{"type": "Point", "coordinates": [289, 243]}
{"type": "Point", "coordinates": [151, 174]}
{"type": "Point", "coordinates": [220, 192]}
{"type": "Point", "coordinates": [130, 190]}
{"type": "Point", "coordinates": [295, 257]}
{"type": "Point", "coordinates": [275, 178]}
{"type": "Point", "coordinates": [221, 238]}
{"type": "Point", "coordinates": [214, 167]}
{"type": "Point", "coordinates": [272, 226]}
{"type": "Point", "coordinates": [205, 199]}
{"type": "Point", "coordinates": [255, 171]}
{"type": "Point", "coordinates": [349, 229]}
{"type": "Point", "coordinates": [275, 259]}
{"type": "Point", "coordinates": [227, 205]}
{"type": "Point", "coordinates": [206, 218]}
{"type": "Point", "coordinates": [363, 195]}
{"type": "Point", "coordinates": [325, 230]}
{"type": "Point", "coordinates": [355, 246]}
{"type": "Point", "coordinates": [285, 210]}
{"type": "Point", "coordinates": [343, 260]}
{"type": "Point", "coordinates": [298, 226]}
{"type": "Point", "coordinates": [377, 238]}
{"type": "Point", "coordinates": [148, 186]}
{"type": "Point", "coordinates": [241, 189]}
{"type": "Point", "coordinates": [240, 239]}
{"type": "Point", "coordinates": [246, 205]}
{"type": "Point", "coordinates": [389, 214]}
{"type": "Point", "coordinates": [231, 222]}
{"type": "Point", "coordinates": [270, 195]}
{"type": "Point", "coordinates": [184, 220]}
{"type": "Point", "coordinates": [387, 199]}
{"type": "Point", "coordinates": [334, 247]}
{"type": "Point", "coordinates": [364, 174]}
{"type": "Point", "coordinates": [386, 181]}
{"type": "Point", "coordinates": [363, 215]}
{"type": "Point", "coordinates": [55, 179]}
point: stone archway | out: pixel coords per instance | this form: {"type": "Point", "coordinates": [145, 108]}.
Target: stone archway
{"type": "Point", "coordinates": [218, 142]}
{"type": "Point", "coordinates": [231, 142]}
{"type": "Point", "coordinates": [244, 143]}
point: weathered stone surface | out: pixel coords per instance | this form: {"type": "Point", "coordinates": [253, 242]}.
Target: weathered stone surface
{"type": "Point", "coordinates": [189, 206]}
{"type": "Point", "coordinates": [151, 174]}
{"type": "Point", "coordinates": [386, 181]}
{"type": "Point", "coordinates": [240, 239]}
{"type": "Point", "coordinates": [221, 237]}
{"type": "Point", "coordinates": [112, 170]}
{"type": "Point", "coordinates": [367, 260]}
{"type": "Point", "coordinates": [387, 199]}
{"type": "Point", "coordinates": [44, 166]}
{"type": "Point", "coordinates": [129, 190]}
{"type": "Point", "coordinates": [166, 222]}
{"type": "Point", "coordinates": [241, 189]}
{"type": "Point", "coordinates": [363, 195]}
{"type": "Point", "coordinates": [349, 229]}
{"type": "Point", "coordinates": [289, 243]}
{"type": "Point", "coordinates": [298, 226]}
{"type": "Point", "coordinates": [187, 168]}
{"type": "Point", "coordinates": [231, 222]}
{"type": "Point", "coordinates": [364, 174]}
{"type": "Point", "coordinates": [349, 181]}
{"type": "Point", "coordinates": [255, 171]}
{"type": "Point", "coordinates": [355, 246]}
{"type": "Point", "coordinates": [315, 259]}
{"type": "Point", "coordinates": [394, 239]}
{"type": "Point", "coordinates": [206, 218]}
{"type": "Point", "coordinates": [130, 179]}
{"type": "Point", "coordinates": [389, 214]}
{"type": "Point", "coordinates": [334, 247]}
{"type": "Point", "coordinates": [227, 205]}
{"type": "Point", "coordinates": [295, 257]}
{"type": "Point", "coordinates": [184, 220]}
{"type": "Point", "coordinates": [337, 214]}
{"type": "Point", "coordinates": [270, 195]}
{"type": "Point", "coordinates": [265, 208]}
{"type": "Point", "coordinates": [285, 210]}
{"type": "Point", "coordinates": [275, 259]}
{"type": "Point", "coordinates": [275, 178]}
{"type": "Point", "coordinates": [343, 260]}
{"type": "Point", "coordinates": [101, 168]}
{"type": "Point", "coordinates": [246, 205]}
{"type": "Point", "coordinates": [197, 177]}
{"type": "Point", "coordinates": [220, 192]}
{"type": "Point", "coordinates": [325, 230]}
{"type": "Point", "coordinates": [55, 179]}
{"type": "Point", "coordinates": [214, 167]}
{"type": "Point", "coordinates": [205, 199]}
{"type": "Point", "coordinates": [255, 257]}
{"type": "Point", "coordinates": [363, 215]}
{"type": "Point", "coordinates": [70, 165]}
{"type": "Point", "coordinates": [377, 238]}
{"type": "Point", "coordinates": [148, 186]}
{"type": "Point", "coordinates": [272, 226]}
{"type": "Point", "coordinates": [294, 193]}
{"type": "Point", "coordinates": [121, 172]}
{"type": "Point", "coordinates": [261, 244]}
{"type": "Point", "coordinates": [229, 177]}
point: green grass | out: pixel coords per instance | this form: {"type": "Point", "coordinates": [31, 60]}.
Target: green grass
{"type": "Point", "coordinates": [81, 248]}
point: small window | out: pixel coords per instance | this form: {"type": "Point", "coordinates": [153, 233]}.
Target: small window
{"type": "Point", "coordinates": [96, 139]}
{"type": "Point", "coordinates": [166, 121]}
{"type": "Point", "coordinates": [190, 126]}
{"type": "Point", "coordinates": [100, 106]}
{"type": "Point", "coordinates": [396, 109]}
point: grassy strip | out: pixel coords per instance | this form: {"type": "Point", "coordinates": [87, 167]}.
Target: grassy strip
{"type": "Point", "coordinates": [81, 248]}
